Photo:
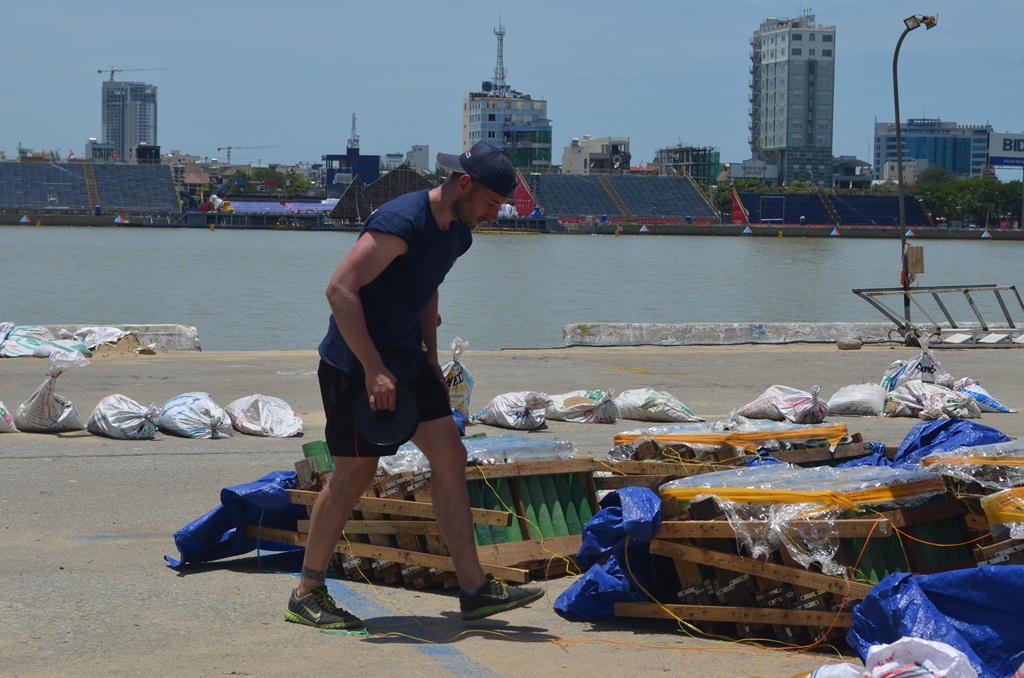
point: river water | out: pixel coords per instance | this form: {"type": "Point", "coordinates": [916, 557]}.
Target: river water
{"type": "Point", "coordinates": [264, 290]}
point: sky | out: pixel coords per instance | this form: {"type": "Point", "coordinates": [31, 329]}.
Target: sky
{"type": "Point", "coordinates": [288, 75]}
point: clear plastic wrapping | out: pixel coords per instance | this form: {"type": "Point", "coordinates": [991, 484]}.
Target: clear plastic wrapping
{"type": "Point", "coordinates": [1006, 508]}
{"type": "Point", "coordinates": [503, 449]}
{"type": "Point", "coordinates": [750, 435]}
{"type": "Point", "coordinates": [995, 466]}
{"type": "Point", "coordinates": [781, 498]}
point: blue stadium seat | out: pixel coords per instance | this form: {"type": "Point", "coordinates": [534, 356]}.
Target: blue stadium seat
{"type": "Point", "coordinates": [668, 198]}
{"type": "Point", "coordinates": [43, 186]}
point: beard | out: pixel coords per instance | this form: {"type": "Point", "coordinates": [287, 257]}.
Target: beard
{"type": "Point", "coordinates": [461, 210]}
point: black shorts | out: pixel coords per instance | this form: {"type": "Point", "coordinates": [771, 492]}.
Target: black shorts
{"type": "Point", "coordinates": [339, 392]}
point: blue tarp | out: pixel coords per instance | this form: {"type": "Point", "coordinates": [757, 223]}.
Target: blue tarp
{"type": "Point", "coordinates": [876, 457]}
{"type": "Point", "coordinates": [976, 611]}
{"type": "Point", "coordinates": [221, 532]}
{"type": "Point", "coordinates": [619, 536]}
{"type": "Point", "coordinates": [942, 435]}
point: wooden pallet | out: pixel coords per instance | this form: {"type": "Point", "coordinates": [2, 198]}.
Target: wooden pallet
{"type": "Point", "coordinates": [723, 590]}
{"type": "Point", "coordinates": [393, 535]}
{"type": "Point", "coordinates": [652, 466]}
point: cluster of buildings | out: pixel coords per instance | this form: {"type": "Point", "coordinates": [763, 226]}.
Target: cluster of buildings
{"type": "Point", "coordinates": [791, 129]}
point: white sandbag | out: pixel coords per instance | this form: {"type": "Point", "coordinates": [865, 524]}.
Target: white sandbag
{"type": "Point", "coordinates": [118, 416]}
{"type": "Point", "coordinates": [47, 348]}
{"type": "Point", "coordinates": [929, 401]}
{"type": "Point", "coordinates": [260, 415]}
{"type": "Point", "coordinates": [519, 410]}
{"type": "Point", "coordinates": [866, 400]}
{"type": "Point", "coordinates": [22, 340]}
{"type": "Point", "coordinates": [6, 421]}
{"type": "Point", "coordinates": [194, 415]}
{"type": "Point", "coordinates": [47, 411]}
{"type": "Point", "coordinates": [458, 378]}
{"type": "Point", "coordinates": [94, 336]}
{"type": "Point", "coordinates": [583, 407]}
{"type": "Point", "coordinates": [924, 367]}
{"type": "Point", "coordinates": [984, 399]}
{"type": "Point", "coordinates": [784, 403]}
{"type": "Point", "coordinates": [646, 404]}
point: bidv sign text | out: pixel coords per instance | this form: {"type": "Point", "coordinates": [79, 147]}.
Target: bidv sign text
{"type": "Point", "coordinates": [1006, 150]}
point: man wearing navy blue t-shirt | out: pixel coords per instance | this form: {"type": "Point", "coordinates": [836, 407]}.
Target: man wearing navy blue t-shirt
{"type": "Point", "coordinates": [383, 334]}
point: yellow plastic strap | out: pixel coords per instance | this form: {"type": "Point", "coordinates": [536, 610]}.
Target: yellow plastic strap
{"type": "Point", "coordinates": [1004, 507]}
{"type": "Point", "coordinates": [974, 461]}
{"type": "Point", "coordinates": [747, 440]}
{"type": "Point", "coordinates": [829, 498]}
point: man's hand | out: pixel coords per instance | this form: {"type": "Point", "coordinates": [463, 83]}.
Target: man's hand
{"type": "Point", "coordinates": [381, 389]}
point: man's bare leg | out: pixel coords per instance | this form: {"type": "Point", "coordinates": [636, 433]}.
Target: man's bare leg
{"type": "Point", "coordinates": [439, 441]}
{"type": "Point", "coordinates": [330, 513]}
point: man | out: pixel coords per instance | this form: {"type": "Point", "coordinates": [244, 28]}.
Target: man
{"type": "Point", "coordinates": [383, 333]}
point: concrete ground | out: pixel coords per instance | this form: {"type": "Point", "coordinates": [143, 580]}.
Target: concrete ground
{"type": "Point", "coordinates": [87, 520]}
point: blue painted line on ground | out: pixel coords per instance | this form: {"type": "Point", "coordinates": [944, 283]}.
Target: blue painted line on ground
{"type": "Point", "coordinates": [453, 659]}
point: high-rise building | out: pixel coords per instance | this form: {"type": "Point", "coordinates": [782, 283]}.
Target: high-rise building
{"type": "Point", "coordinates": [129, 116]}
{"type": "Point", "coordinates": [792, 92]}
{"type": "Point", "coordinates": [957, 148]}
{"type": "Point", "coordinates": [514, 122]}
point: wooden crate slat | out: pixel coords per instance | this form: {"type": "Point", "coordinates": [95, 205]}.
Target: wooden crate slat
{"type": "Point", "coordinates": [403, 507]}
{"type": "Point", "coordinates": [737, 563]}
{"type": "Point", "coordinates": [530, 468]}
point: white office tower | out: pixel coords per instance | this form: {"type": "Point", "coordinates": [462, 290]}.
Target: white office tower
{"type": "Point", "coordinates": [129, 116]}
{"type": "Point", "coordinates": [792, 93]}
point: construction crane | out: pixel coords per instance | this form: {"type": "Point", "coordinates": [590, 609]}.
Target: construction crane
{"type": "Point", "coordinates": [229, 148]}
{"type": "Point", "coordinates": [121, 70]}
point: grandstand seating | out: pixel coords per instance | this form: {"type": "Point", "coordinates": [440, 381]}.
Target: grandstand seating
{"type": "Point", "coordinates": [882, 210]}
{"type": "Point", "coordinates": [573, 197]}
{"type": "Point", "coordinates": [43, 186]}
{"type": "Point", "coordinates": [136, 189]}
{"type": "Point", "coordinates": [657, 198]}
{"type": "Point", "coordinates": [786, 208]}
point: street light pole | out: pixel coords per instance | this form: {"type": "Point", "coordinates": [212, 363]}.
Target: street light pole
{"type": "Point", "coordinates": [911, 23]}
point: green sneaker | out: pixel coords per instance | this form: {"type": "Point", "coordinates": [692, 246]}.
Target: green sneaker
{"type": "Point", "coordinates": [496, 596]}
{"type": "Point", "coordinates": [318, 609]}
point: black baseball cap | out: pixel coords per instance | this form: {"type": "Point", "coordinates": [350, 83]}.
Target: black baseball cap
{"type": "Point", "coordinates": [486, 164]}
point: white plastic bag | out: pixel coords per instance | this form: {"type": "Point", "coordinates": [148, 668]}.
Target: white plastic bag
{"type": "Point", "coordinates": [784, 403]}
{"type": "Point", "coordinates": [23, 340]}
{"type": "Point", "coordinates": [519, 410]}
{"type": "Point", "coordinates": [867, 400]}
{"type": "Point", "coordinates": [985, 401]}
{"type": "Point", "coordinates": [906, 657]}
{"type": "Point", "coordinates": [194, 415]}
{"type": "Point", "coordinates": [94, 336]}
{"type": "Point", "coordinates": [260, 415]}
{"type": "Point", "coordinates": [646, 404]}
{"type": "Point", "coordinates": [46, 411]}
{"type": "Point", "coordinates": [924, 367]}
{"type": "Point", "coordinates": [583, 407]}
{"type": "Point", "coordinates": [458, 378]}
{"type": "Point", "coordinates": [928, 401]}
{"type": "Point", "coordinates": [118, 416]}
{"type": "Point", "coordinates": [939, 659]}
{"type": "Point", "coordinates": [6, 421]}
